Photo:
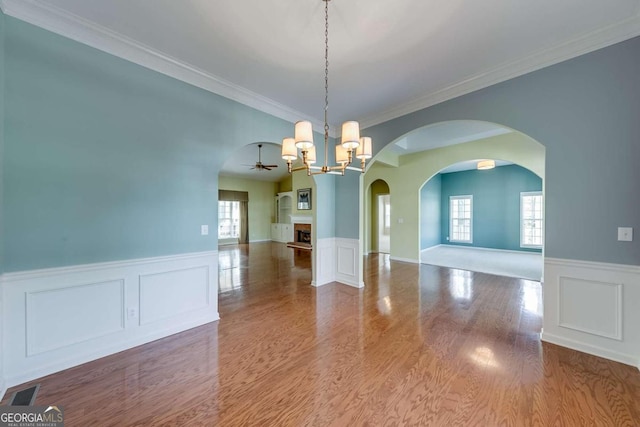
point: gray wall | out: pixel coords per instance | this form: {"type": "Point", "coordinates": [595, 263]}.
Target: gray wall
{"type": "Point", "coordinates": [585, 112]}
{"type": "Point", "coordinates": [430, 215]}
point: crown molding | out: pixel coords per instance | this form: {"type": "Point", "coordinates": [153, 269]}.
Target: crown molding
{"type": "Point", "coordinates": [101, 38]}
{"type": "Point", "coordinates": [91, 34]}
{"type": "Point", "coordinates": [581, 45]}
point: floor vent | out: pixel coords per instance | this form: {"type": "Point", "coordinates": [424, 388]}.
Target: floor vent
{"type": "Point", "coordinates": [25, 397]}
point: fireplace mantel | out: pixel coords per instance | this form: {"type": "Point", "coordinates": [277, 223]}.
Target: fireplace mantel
{"type": "Point", "coordinates": [301, 219]}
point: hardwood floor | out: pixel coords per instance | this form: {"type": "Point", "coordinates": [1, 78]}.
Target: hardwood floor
{"type": "Point", "coordinates": [419, 345]}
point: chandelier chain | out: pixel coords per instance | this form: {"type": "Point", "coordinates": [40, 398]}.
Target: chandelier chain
{"type": "Point", "coordinates": [326, 75]}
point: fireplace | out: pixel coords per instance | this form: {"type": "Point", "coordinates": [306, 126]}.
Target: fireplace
{"type": "Point", "coordinates": [301, 236]}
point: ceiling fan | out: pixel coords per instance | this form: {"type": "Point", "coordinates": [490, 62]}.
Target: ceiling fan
{"type": "Point", "coordinates": [259, 166]}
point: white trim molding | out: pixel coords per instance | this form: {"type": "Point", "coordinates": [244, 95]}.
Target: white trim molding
{"type": "Point", "coordinates": [325, 261]}
{"type": "Point", "coordinates": [347, 262]}
{"type": "Point", "coordinates": [76, 28]}
{"type": "Point", "coordinates": [409, 260]}
{"type": "Point", "coordinates": [338, 259]}
{"type": "Point", "coordinates": [89, 33]}
{"type": "Point", "coordinates": [581, 45]}
{"type": "Point", "coordinates": [63, 317]}
{"type": "Point", "coordinates": [592, 307]}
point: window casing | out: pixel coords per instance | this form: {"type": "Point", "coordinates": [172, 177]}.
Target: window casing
{"type": "Point", "coordinates": [531, 219]}
{"type": "Point", "coordinates": [461, 219]}
{"type": "Point", "coordinates": [228, 219]}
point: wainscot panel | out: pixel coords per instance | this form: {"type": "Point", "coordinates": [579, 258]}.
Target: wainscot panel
{"type": "Point", "coordinates": [57, 318]}
{"type": "Point", "coordinates": [592, 307]}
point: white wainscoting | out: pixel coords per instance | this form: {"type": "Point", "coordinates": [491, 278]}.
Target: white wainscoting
{"type": "Point", "coordinates": [61, 317]}
{"type": "Point", "coordinates": [324, 252]}
{"type": "Point", "coordinates": [338, 260]}
{"type": "Point", "coordinates": [348, 262]}
{"type": "Point", "coordinates": [593, 307]}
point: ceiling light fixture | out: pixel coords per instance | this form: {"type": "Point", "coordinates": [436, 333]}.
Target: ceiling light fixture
{"type": "Point", "coordinates": [486, 165]}
{"type": "Point", "coordinates": [351, 142]}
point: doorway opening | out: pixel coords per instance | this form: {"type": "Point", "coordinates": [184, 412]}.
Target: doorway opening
{"type": "Point", "coordinates": [489, 221]}
{"type": "Point", "coordinates": [380, 217]}
{"type": "Point", "coordinates": [384, 223]}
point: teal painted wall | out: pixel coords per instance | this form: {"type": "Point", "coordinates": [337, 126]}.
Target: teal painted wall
{"type": "Point", "coordinates": [496, 204]}
{"type": "Point", "coordinates": [585, 112]}
{"type": "Point", "coordinates": [347, 225]}
{"type": "Point", "coordinates": [430, 215]}
{"type": "Point", "coordinates": [106, 160]}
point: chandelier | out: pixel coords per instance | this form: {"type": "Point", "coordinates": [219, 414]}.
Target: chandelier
{"type": "Point", "coordinates": [351, 143]}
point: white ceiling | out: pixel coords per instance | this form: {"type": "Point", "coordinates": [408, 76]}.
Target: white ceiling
{"type": "Point", "coordinates": [470, 165]}
{"type": "Point", "coordinates": [386, 58]}
{"type": "Point", "coordinates": [445, 134]}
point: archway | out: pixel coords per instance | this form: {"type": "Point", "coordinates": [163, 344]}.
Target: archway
{"type": "Point", "coordinates": [485, 220]}
{"type": "Point", "coordinates": [405, 171]}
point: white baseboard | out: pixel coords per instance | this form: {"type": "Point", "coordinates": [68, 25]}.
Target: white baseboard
{"type": "Point", "coordinates": [410, 260]}
{"type": "Point", "coordinates": [483, 249]}
{"type": "Point", "coordinates": [260, 240]}
{"type": "Point", "coordinates": [590, 349]}
{"type": "Point", "coordinates": [592, 307]}
{"type": "Point", "coordinates": [63, 317]}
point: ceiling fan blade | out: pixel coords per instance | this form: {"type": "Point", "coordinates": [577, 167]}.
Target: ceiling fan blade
{"type": "Point", "coordinates": [270, 166]}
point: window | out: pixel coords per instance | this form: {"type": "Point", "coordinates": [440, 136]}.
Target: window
{"type": "Point", "coordinates": [531, 219]}
{"type": "Point", "coordinates": [228, 220]}
{"type": "Point", "coordinates": [460, 219]}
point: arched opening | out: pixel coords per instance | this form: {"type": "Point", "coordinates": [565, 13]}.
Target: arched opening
{"type": "Point", "coordinates": [408, 162]}
{"type": "Point", "coordinates": [483, 219]}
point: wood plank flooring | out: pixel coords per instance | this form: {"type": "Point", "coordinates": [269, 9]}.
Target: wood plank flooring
{"type": "Point", "coordinates": [419, 345]}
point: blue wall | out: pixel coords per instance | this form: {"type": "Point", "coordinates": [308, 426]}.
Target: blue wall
{"type": "Point", "coordinates": [496, 204]}
{"type": "Point", "coordinates": [106, 160]}
{"type": "Point", "coordinates": [585, 112]}
{"type": "Point", "coordinates": [430, 215]}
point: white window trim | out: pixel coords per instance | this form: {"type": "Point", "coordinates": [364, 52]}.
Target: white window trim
{"type": "Point", "coordinates": [451, 239]}
{"type": "Point", "coordinates": [522, 195]}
